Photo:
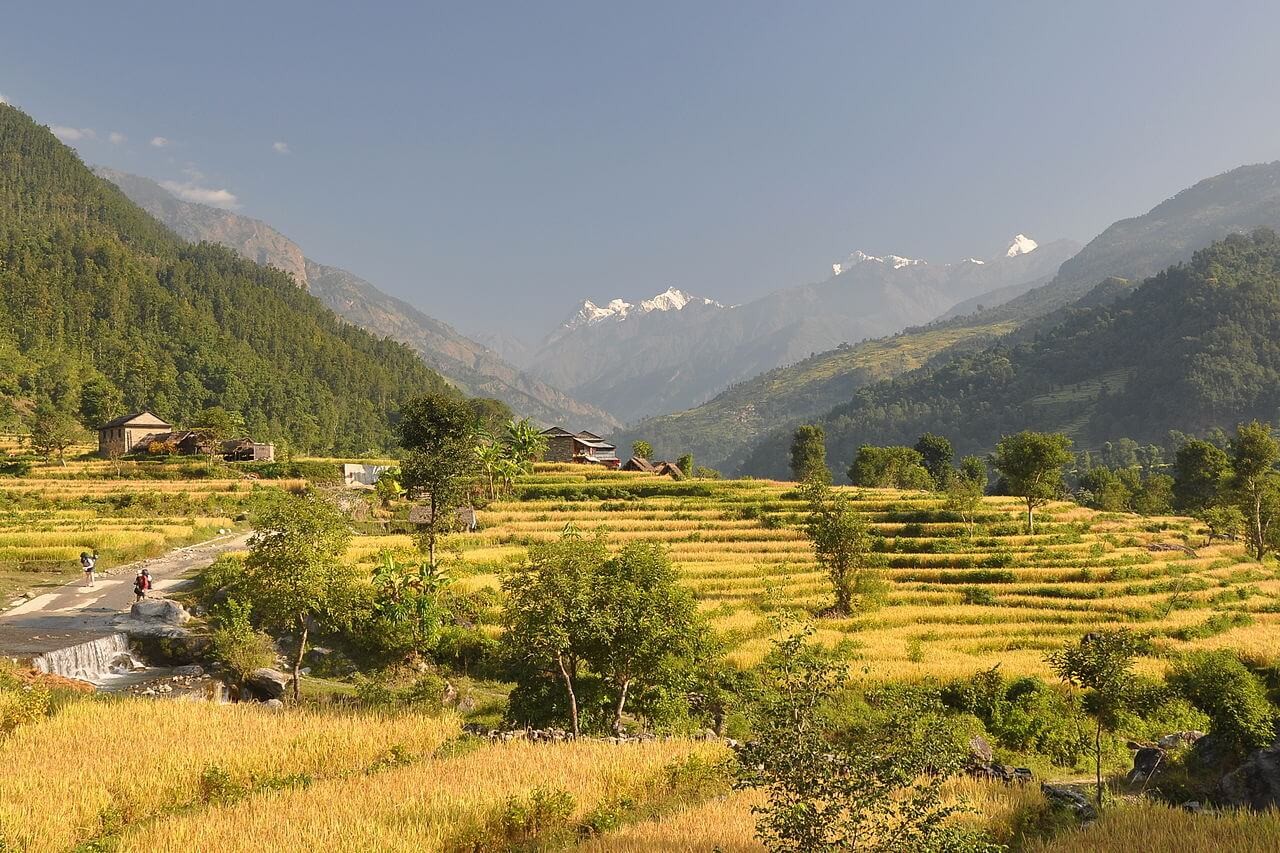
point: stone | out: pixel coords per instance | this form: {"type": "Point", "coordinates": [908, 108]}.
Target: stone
{"type": "Point", "coordinates": [266, 684]}
{"type": "Point", "coordinates": [1146, 761]}
{"type": "Point", "coordinates": [979, 750]}
{"type": "Point", "coordinates": [1070, 800]}
{"type": "Point", "coordinates": [193, 670]}
{"type": "Point", "coordinates": [1255, 784]}
{"type": "Point", "coordinates": [274, 703]}
{"type": "Point", "coordinates": [1177, 739]}
{"type": "Point", "coordinates": [161, 610]}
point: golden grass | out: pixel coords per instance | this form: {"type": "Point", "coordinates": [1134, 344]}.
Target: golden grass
{"type": "Point", "coordinates": [723, 823]}
{"type": "Point", "coordinates": [1155, 828]}
{"type": "Point", "coordinates": [431, 805]}
{"type": "Point", "coordinates": [137, 758]}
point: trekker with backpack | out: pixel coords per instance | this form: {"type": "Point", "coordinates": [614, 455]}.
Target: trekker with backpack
{"type": "Point", "coordinates": [139, 587]}
{"type": "Point", "coordinates": [89, 565]}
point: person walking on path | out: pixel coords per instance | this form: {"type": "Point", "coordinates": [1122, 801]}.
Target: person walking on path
{"type": "Point", "coordinates": [89, 565]}
{"type": "Point", "coordinates": [139, 587]}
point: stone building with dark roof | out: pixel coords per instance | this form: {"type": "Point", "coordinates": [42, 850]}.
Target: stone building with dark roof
{"type": "Point", "coordinates": [585, 448]}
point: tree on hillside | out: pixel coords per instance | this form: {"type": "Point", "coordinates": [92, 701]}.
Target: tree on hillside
{"type": "Point", "coordinates": [1201, 472]}
{"type": "Point", "coordinates": [965, 490]}
{"type": "Point", "coordinates": [642, 448]}
{"type": "Point", "coordinates": [937, 453]}
{"type": "Point", "coordinates": [842, 544]}
{"type": "Point", "coordinates": [1254, 452]}
{"type": "Point", "coordinates": [100, 401]}
{"type": "Point", "coordinates": [294, 574]}
{"type": "Point", "coordinates": [809, 454]}
{"type": "Point", "coordinates": [894, 467]}
{"type": "Point", "coordinates": [551, 622]}
{"type": "Point", "coordinates": [646, 623]}
{"type": "Point", "coordinates": [824, 791]}
{"type": "Point", "coordinates": [685, 464]}
{"type": "Point", "coordinates": [53, 431]}
{"type": "Point", "coordinates": [492, 416]}
{"type": "Point", "coordinates": [439, 432]}
{"type": "Point", "coordinates": [1031, 463]}
{"type": "Point", "coordinates": [216, 425]}
{"type": "Point", "coordinates": [1102, 664]}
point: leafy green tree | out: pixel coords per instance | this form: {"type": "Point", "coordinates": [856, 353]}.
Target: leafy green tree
{"type": "Point", "coordinates": [843, 546]}
{"type": "Point", "coordinates": [646, 624]}
{"type": "Point", "coordinates": [1201, 471]}
{"type": "Point", "coordinates": [490, 459]}
{"type": "Point", "coordinates": [685, 464]}
{"type": "Point", "coordinates": [1254, 452]}
{"type": "Point", "coordinates": [1155, 496]}
{"type": "Point", "coordinates": [100, 401]}
{"type": "Point", "coordinates": [937, 453]}
{"type": "Point", "coordinates": [439, 431]}
{"type": "Point", "coordinates": [1216, 682]}
{"type": "Point", "coordinates": [1031, 463]}
{"type": "Point", "coordinates": [216, 425]}
{"type": "Point", "coordinates": [491, 416]}
{"type": "Point", "coordinates": [550, 620]}
{"type": "Point", "coordinates": [388, 488]}
{"type": "Point", "coordinates": [1101, 664]}
{"type": "Point", "coordinates": [965, 490]}
{"type": "Point", "coordinates": [1223, 522]}
{"type": "Point", "coordinates": [809, 454]}
{"type": "Point", "coordinates": [411, 599]}
{"type": "Point", "coordinates": [824, 792]}
{"type": "Point", "coordinates": [526, 441]}
{"type": "Point", "coordinates": [53, 431]}
{"type": "Point", "coordinates": [294, 573]}
{"type": "Point", "coordinates": [642, 448]}
{"type": "Point", "coordinates": [889, 468]}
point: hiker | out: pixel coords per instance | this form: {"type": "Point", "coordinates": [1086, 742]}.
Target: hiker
{"type": "Point", "coordinates": [146, 576]}
{"type": "Point", "coordinates": [89, 565]}
{"type": "Point", "coordinates": [139, 587]}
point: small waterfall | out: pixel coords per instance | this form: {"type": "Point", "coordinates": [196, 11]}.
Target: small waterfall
{"type": "Point", "coordinates": [95, 661]}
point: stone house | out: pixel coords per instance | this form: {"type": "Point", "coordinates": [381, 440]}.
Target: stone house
{"type": "Point", "coordinates": [584, 448]}
{"type": "Point", "coordinates": [127, 432]}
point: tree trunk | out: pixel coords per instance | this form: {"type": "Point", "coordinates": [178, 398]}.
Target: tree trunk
{"type": "Point", "coordinates": [1097, 764]}
{"type": "Point", "coordinates": [617, 711]}
{"type": "Point", "coordinates": [573, 697]}
{"type": "Point", "coordinates": [1031, 521]}
{"type": "Point", "coordinates": [297, 664]}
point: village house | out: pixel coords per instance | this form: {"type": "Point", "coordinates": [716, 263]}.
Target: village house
{"type": "Point", "coordinates": [585, 448]}
{"type": "Point", "coordinates": [661, 469]}
{"type": "Point", "coordinates": [140, 431]}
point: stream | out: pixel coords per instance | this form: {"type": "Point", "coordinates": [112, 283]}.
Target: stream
{"type": "Point", "coordinates": [111, 665]}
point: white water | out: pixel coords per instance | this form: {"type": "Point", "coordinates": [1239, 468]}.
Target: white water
{"type": "Point", "coordinates": [99, 662]}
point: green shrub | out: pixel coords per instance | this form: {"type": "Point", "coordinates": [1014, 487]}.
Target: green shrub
{"type": "Point", "coordinates": [1240, 716]}
{"type": "Point", "coordinates": [978, 595]}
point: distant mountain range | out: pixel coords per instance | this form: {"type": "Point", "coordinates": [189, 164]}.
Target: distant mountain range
{"type": "Point", "coordinates": [1091, 353]}
{"type": "Point", "coordinates": [472, 367]}
{"type": "Point", "coordinates": [676, 350]}
{"type": "Point", "coordinates": [746, 428]}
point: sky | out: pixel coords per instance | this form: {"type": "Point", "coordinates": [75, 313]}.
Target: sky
{"type": "Point", "coordinates": [496, 163]}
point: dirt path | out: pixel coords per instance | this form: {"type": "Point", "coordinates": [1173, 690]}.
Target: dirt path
{"type": "Point", "coordinates": [75, 613]}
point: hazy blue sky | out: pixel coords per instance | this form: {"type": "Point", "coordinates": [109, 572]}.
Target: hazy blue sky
{"type": "Point", "coordinates": [496, 163]}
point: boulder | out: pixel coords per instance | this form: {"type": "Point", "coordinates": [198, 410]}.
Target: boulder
{"type": "Point", "coordinates": [1070, 800]}
{"type": "Point", "coordinates": [979, 750]}
{"type": "Point", "coordinates": [1255, 784]}
{"type": "Point", "coordinates": [1177, 739]}
{"type": "Point", "coordinates": [1146, 761]}
{"type": "Point", "coordinates": [266, 684]}
{"type": "Point", "coordinates": [193, 670]}
{"type": "Point", "coordinates": [164, 611]}
{"type": "Point", "coordinates": [274, 703]}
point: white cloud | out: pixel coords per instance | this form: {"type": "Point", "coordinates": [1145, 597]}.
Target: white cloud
{"type": "Point", "coordinates": [281, 148]}
{"type": "Point", "coordinates": [159, 142]}
{"type": "Point", "coordinates": [116, 137]}
{"type": "Point", "coordinates": [72, 134]}
{"type": "Point", "coordinates": [191, 191]}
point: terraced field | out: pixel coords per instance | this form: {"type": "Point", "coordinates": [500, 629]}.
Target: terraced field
{"type": "Point", "coordinates": [957, 603]}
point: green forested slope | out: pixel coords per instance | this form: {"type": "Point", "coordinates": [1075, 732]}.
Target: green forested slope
{"type": "Point", "coordinates": [102, 310]}
{"type": "Point", "coordinates": [1194, 347]}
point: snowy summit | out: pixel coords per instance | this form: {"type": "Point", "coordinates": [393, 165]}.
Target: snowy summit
{"type": "Point", "coordinates": [859, 257]}
{"type": "Point", "coordinates": [1021, 245]}
{"type": "Point", "coordinates": [670, 299]}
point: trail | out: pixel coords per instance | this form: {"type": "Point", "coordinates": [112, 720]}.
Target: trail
{"type": "Point", "coordinates": [74, 613]}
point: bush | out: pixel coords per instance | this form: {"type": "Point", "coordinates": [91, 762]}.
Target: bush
{"type": "Point", "coordinates": [1240, 716]}
{"type": "Point", "coordinates": [236, 645]}
{"type": "Point", "coordinates": [21, 702]}
{"type": "Point", "coordinates": [978, 595]}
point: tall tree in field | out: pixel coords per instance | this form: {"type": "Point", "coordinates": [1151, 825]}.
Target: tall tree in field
{"type": "Point", "coordinates": [294, 574]}
{"type": "Point", "coordinates": [526, 441]}
{"type": "Point", "coordinates": [1254, 452]}
{"type": "Point", "coordinates": [439, 432]}
{"type": "Point", "coordinates": [550, 618]}
{"type": "Point", "coordinates": [646, 623]}
{"type": "Point", "coordinates": [1102, 664]}
{"type": "Point", "coordinates": [938, 454]}
{"type": "Point", "coordinates": [1031, 463]}
{"type": "Point", "coordinates": [1200, 473]}
{"type": "Point", "coordinates": [809, 454]}
{"type": "Point", "coordinates": [53, 431]}
{"type": "Point", "coordinates": [642, 448]}
{"type": "Point", "coordinates": [842, 544]}
{"type": "Point", "coordinates": [965, 489]}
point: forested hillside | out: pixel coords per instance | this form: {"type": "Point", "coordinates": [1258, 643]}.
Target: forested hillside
{"type": "Point", "coordinates": [1195, 347]}
{"type": "Point", "coordinates": [103, 310]}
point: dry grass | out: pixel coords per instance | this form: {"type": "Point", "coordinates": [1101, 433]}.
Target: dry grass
{"type": "Point", "coordinates": [1155, 828]}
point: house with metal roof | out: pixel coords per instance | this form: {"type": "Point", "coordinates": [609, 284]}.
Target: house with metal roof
{"type": "Point", "coordinates": [585, 448]}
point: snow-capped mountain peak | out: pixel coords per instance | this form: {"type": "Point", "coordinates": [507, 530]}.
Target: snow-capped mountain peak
{"type": "Point", "coordinates": [671, 299]}
{"type": "Point", "coordinates": [859, 257]}
{"type": "Point", "coordinates": [1021, 245]}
